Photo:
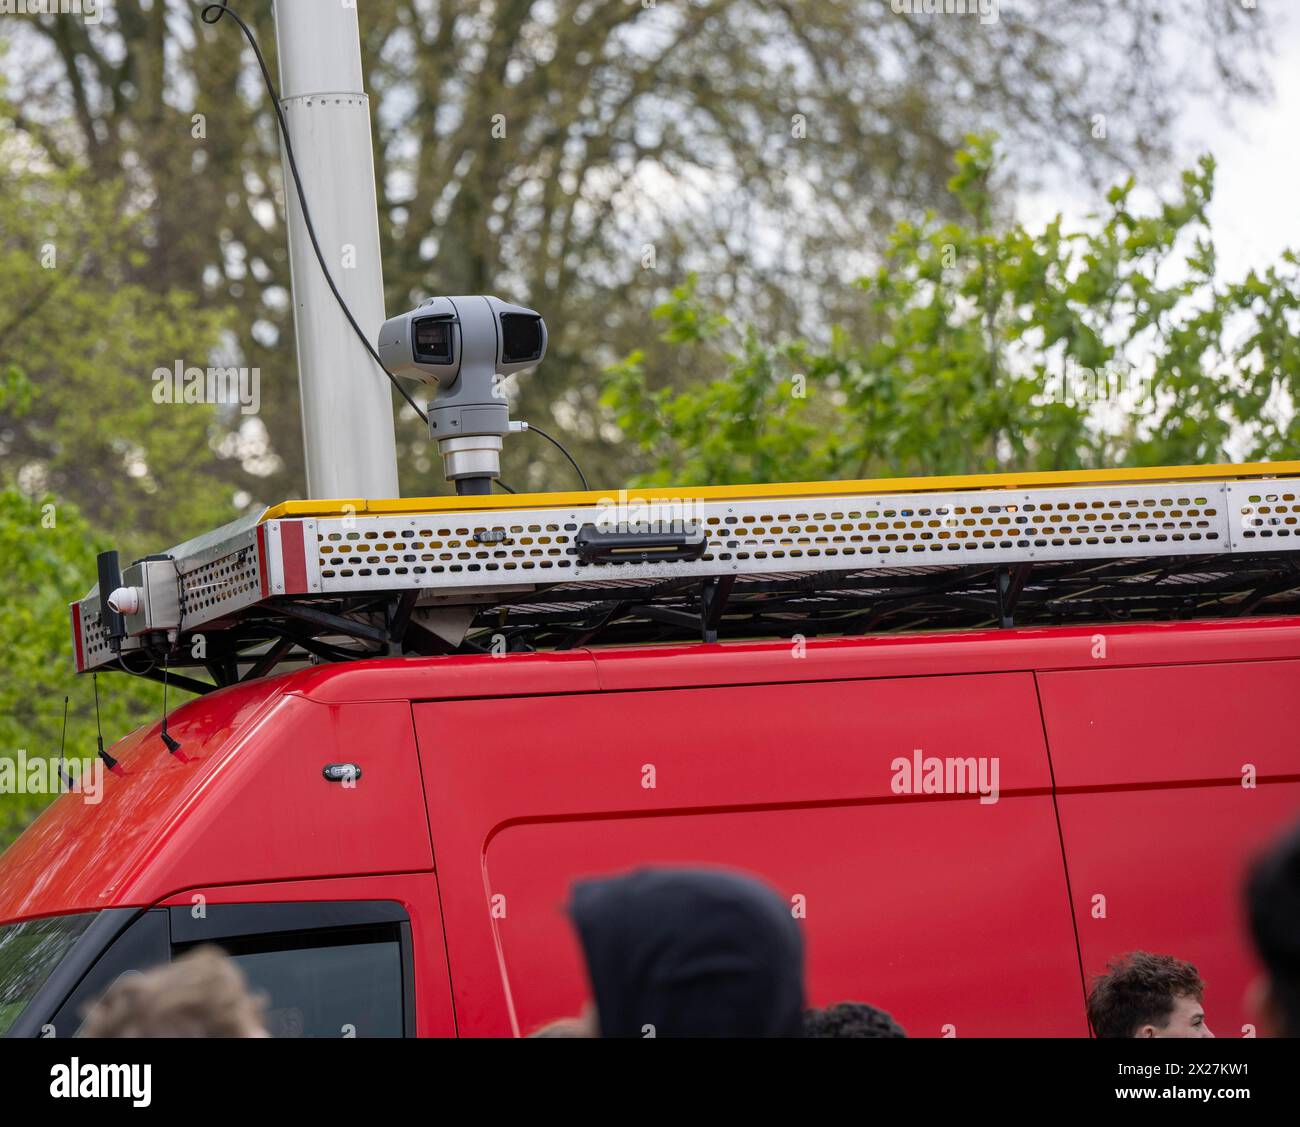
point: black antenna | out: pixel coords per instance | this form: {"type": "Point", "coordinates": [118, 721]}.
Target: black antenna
{"type": "Point", "coordinates": [64, 777]}
{"type": "Point", "coordinates": [173, 745]}
{"type": "Point", "coordinates": [109, 761]}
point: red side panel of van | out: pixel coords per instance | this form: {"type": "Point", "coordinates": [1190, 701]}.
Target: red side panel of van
{"type": "Point", "coordinates": [901, 894]}
{"type": "Point", "coordinates": [1170, 779]}
{"type": "Point", "coordinates": [244, 801]}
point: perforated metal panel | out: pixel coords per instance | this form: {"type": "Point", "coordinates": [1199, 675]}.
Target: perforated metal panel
{"type": "Point", "coordinates": [964, 527]}
{"type": "Point", "coordinates": [94, 641]}
{"type": "Point", "coordinates": [221, 586]}
{"type": "Point", "coordinates": [1265, 515]}
{"type": "Point", "coordinates": [95, 650]}
{"type": "Point", "coordinates": [832, 533]}
{"type": "Point", "coordinates": [382, 553]}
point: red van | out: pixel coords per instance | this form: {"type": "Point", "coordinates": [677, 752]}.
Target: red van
{"type": "Point", "coordinates": [386, 845]}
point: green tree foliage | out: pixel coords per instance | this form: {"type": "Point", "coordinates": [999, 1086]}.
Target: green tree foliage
{"type": "Point", "coordinates": [79, 342]}
{"type": "Point", "coordinates": [992, 347]}
{"type": "Point", "coordinates": [538, 148]}
{"type": "Point", "coordinates": [49, 555]}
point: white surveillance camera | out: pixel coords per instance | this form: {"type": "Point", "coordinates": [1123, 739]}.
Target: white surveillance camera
{"type": "Point", "coordinates": [460, 347]}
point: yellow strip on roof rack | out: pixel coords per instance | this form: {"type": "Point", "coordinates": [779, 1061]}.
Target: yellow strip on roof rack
{"type": "Point", "coordinates": [353, 506]}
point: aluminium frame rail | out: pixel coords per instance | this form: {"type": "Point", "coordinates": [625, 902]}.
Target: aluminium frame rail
{"type": "Point", "coordinates": [339, 580]}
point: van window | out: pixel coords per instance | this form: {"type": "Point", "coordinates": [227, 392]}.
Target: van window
{"type": "Point", "coordinates": [29, 952]}
{"type": "Point", "coordinates": [327, 986]}
{"type": "Point", "coordinates": [326, 968]}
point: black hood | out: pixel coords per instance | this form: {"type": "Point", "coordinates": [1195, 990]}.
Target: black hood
{"type": "Point", "coordinates": [693, 953]}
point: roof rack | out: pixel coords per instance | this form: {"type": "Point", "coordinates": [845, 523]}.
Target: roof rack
{"type": "Point", "coordinates": [338, 580]}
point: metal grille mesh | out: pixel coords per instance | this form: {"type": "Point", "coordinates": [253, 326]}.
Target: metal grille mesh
{"type": "Point", "coordinates": [784, 536]}
{"type": "Point", "coordinates": [929, 529]}
{"type": "Point", "coordinates": [94, 642]}
{"type": "Point", "coordinates": [221, 586]}
{"type": "Point", "coordinates": [1265, 516]}
{"type": "Point", "coordinates": [427, 551]}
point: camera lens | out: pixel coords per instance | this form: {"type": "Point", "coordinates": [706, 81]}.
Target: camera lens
{"type": "Point", "coordinates": [521, 338]}
{"type": "Point", "coordinates": [433, 340]}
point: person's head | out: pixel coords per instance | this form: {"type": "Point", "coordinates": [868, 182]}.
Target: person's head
{"type": "Point", "coordinates": [690, 953]}
{"type": "Point", "coordinates": [201, 994]}
{"type": "Point", "coordinates": [1143, 995]}
{"type": "Point", "coordinates": [850, 1019]}
{"type": "Point", "coordinates": [1273, 908]}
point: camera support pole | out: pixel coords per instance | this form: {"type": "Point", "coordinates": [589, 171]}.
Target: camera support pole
{"type": "Point", "coordinates": [347, 410]}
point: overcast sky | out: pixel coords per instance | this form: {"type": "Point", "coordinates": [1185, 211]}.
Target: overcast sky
{"type": "Point", "coordinates": [1256, 209]}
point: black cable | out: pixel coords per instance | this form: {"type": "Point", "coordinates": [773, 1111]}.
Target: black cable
{"type": "Point", "coordinates": [216, 11]}
{"type": "Point", "coordinates": [503, 485]}
{"type": "Point", "coordinates": [173, 745]}
{"type": "Point", "coordinates": [581, 476]}
{"type": "Point", "coordinates": [153, 664]}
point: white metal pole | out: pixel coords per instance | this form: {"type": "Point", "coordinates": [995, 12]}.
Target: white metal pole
{"type": "Point", "coordinates": [347, 411]}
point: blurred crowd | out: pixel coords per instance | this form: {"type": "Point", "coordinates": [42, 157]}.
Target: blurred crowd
{"type": "Point", "coordinates": [712, 953]}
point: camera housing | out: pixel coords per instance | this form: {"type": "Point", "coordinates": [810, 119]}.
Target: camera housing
{"type": "Point", "coordinates": [460, 347]}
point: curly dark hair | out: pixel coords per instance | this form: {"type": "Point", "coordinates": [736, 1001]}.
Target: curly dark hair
{"type": "Point", "coordinates": [850, 1019]}
{"type": "Point", "coordinates": [1139, 989]}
